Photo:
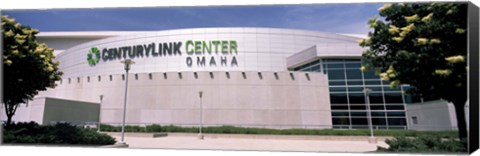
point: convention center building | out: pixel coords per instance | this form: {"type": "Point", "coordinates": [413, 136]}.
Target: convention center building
{"type": "Point", "coordinates": [247, 77]}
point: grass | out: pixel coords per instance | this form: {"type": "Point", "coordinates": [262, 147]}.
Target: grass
{"type": "Point", "coordinates": [245, 130]}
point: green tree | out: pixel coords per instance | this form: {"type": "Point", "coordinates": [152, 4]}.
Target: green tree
{"type": "Point", "coordinates": [28, 66]}
{"type": "Point", "coordinates": [424, 45]}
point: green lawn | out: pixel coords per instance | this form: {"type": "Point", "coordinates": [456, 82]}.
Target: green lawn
{"type": "Point", "coordinates": [243, 130]}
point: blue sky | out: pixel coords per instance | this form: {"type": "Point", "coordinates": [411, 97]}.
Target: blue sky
{"type": "Point", "coordinates": [337, 18]}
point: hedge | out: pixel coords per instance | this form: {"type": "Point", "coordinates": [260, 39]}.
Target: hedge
{"type": "Point", "coordinates": [61, 133]}
{"type": "Point", "coordinates": [245, 130]}
{"type": "Point", "coordinates": [424, 144]}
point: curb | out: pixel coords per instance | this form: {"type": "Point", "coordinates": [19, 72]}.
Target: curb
{"type": "Point", "coordinates": [255, 136]}
{"type": "Point", "coordinates": [116, 146]}
{"type": "Point", "coordinates": [129, 134]}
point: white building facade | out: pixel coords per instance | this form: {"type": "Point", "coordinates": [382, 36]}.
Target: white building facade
{"type": "Point", "coordinates": [251, 77]}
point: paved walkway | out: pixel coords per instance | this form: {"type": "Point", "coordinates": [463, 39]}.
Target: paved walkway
{"type": "Point", "coordinates": [248, 143]}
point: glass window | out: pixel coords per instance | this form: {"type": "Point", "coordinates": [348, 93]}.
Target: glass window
{"type": "Point", "coordinates": [336, 83]}
{"type": "Point", "coordinates": [353, 65]}
{"type": "Point", "coordinates": [354, 74]}
{"type": "Point", "coordinates": [336, 74]}
{"type": "Point", "coordinates": [355, 83]}
{"type": "Point", "coordinates": [315, 68]}
{"type": "Point", "coordinates": [370, 74]}
{"type": "Point", "coordinates": [334, 60]}
{"type": "Point", "coordinates": [379, 121]}
{"type": "Point", "coordinates": [396, 114]}
{"type": "Point", "coordinates": [338, 89]}
{"type": "Point", "coordinates": [356, 98]}
{"type": "Point", "coordinates": [339, 107]}
{"type": "Point", "coordinates": [303, 69]}
{"type": "Point", "coordinates": [372, 82]}
{"type": "Point", "coordinates": [307, 65]}
{"type": "Point", "coordinates": [359, 121]}
{"type": "Point", "coordinates": [330, 66]}
{"type": "Point", "coordinates": [340, 121]}
{"type": "Point", "coordinates": [406, 87]}
{"type": "Point", "coordinates": [355, 89]}
{"type": "Point", "coordinates": [376, 98]}
{"type": "Point", "coordinates": [375, 89]}
{"type": "Point", "coordinates": [377, 107]}
{"type": "Point", "coordinates": [389, 88]}
{"type": "Point", "coordinates": [378, 113]}
{"type": "Point", "coordinates": [316, 61]}
{"type": "Point", "coordinates": [352, 60]}
{"type": "Point", "coordinates": [358, 114]}
{"type": "Point", "coordinates": [408, 98]}
{"type": "Point", "coordinates": [340, 98]}
{"type": "Point", "coordinates": [416, 99]}
{"type": "Point", "coordinates": [303, 66]}
{"type": "Point", "coordinates": [393, 98]}
{"type": "Point", "coordinates": [358, 107]}
{"type": "Point", "coordinates": [339, 113]}
{"type": "Point", "coordinates": [394, 107]}
{"type": "Point", "coordinates": [397, 121]}
{"type": "Point", "coordinates": [386, 82]}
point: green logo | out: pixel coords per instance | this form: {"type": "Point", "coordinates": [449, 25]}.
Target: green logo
{"type": "Point", "coordinates": [93, 56]}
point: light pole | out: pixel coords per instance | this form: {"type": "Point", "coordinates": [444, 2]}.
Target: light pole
{"type": "Point", "coordinates": [200, 135]}
{"type": "Point", "coordinates": [127, 63]}
{"type": "Point", "coordinates": [100, 113]}
{"type": "Point", "coordinates": [369, 115]}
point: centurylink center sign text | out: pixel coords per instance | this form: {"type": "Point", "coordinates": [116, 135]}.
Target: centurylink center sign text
{"type": "Point", "coordinates": [199, 53]}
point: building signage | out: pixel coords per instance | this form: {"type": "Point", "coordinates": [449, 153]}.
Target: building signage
{"type": "Point", "coordinates": [198, 53]}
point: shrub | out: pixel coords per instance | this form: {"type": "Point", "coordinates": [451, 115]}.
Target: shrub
{"type": "Point", "coordinates": [424, 143]}
{"type": "Point", "coordinates": [153, 128]}
{"type": "Point", "coordinates": [226, 129]}
{"type": "Point", "coordinates": [110, 128]}
{"type": "Point", "coordinates": [92, 137]}
{"type": "Point", "coordinates": [129, 128]}
{"type": "Point", "coordinates": [61, 133]}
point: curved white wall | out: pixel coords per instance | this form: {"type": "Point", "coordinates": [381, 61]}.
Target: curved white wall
{"type": "Point", "coordinates": [259, 49]}
{"type": "Point", "coordinates": [252, 99]}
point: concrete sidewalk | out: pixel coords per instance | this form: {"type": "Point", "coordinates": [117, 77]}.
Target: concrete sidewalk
{"type": "Point", "coordinates": [243, 142]}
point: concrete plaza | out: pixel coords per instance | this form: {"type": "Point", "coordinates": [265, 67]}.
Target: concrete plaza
{"type": "Point", "coordinates": [253, 142]}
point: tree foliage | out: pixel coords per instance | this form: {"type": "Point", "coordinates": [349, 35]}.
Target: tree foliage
{"type": "Point", "coordinates": [424, 144]}
{"type": "Point", "coordinates": [424, 45]}
{"type": "Point", "coordinates": [29, 66]}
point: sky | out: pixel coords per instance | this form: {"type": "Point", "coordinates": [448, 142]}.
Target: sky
{"type": "Point", "coordinates": [335, 18]}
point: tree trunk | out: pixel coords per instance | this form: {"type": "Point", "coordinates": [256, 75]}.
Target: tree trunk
{"type": "Point", "coordinates": [461, 124]}
{"type": "Point", "coordinates": [10, 111]}
{"type": "Point", "coordinates": [9, 120]}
